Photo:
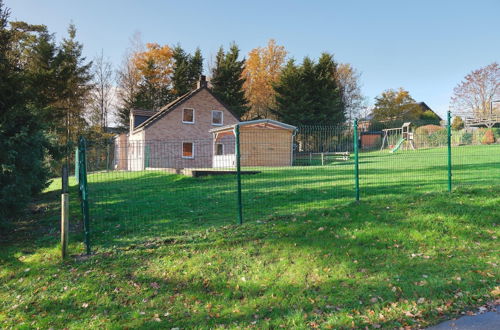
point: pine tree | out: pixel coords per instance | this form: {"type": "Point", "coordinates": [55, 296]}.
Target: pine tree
{"type": "Point", "coordinates": [42, 77]}
{"type": "Point", "coordinates": [187, 70]}
{"type": "Point", "coordinates": [291, 99]}
{"type": "Point", "coordinates": [309, 94]}
{"type": "Point", "coordinates": [227, 80]}
{"type": "Point", "coordinates": [195, 67]}
{"type": "Point", "coordinates": [181, 71]}
{"type": "Point", "coordinates": [329, 106]}
{"type": "Point", "coordinates": [73, 88]}
{"type": "Point", "coordinates": [23, 143]}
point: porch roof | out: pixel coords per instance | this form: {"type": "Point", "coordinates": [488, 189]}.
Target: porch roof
{"type": "Point", "coordinates": [260, 123]}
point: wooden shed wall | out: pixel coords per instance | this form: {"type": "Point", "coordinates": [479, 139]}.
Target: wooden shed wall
{"type": "Point", "coordinates": [265, 147]}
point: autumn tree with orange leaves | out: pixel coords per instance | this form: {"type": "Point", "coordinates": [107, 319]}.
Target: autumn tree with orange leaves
{"type": "Point", "coordinates": [155, 66]}
{"type": "Point", "coordinates": [262, 69]}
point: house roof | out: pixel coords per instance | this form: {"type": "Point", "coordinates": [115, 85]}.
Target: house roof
{"type": "Point", "coordinates": [263, 122]}
{"type": "Point", "coordinates": [173, 105]}
{"type": "Point", "coordinates": [425, 107]}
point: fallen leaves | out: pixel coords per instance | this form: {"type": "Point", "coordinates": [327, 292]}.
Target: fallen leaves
{"type": "Point", "coordinates": [415, 255]}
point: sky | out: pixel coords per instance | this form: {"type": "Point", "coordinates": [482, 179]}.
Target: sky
{"type": "Point", "coordinates": [426, 47]}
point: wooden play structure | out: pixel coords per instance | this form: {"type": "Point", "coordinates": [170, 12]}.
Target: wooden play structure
{"type": "Point", "coordinates": [405, 140]}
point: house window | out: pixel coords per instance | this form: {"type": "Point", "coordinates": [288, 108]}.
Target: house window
{"type": "Point", "coordinates": [188, 116]}
{"type": "Point", "coordinates": [219, 149]}
{"type": "Point", "coordinates": [217, 117]}
{"type": "Point", "coordinates": [187, 150]}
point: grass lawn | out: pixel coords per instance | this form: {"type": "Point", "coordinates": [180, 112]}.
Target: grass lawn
{"type": "Point", "coordinates": [169, 253]}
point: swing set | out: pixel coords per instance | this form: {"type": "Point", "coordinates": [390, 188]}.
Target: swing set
{"type": "Point", "coordinates": [405, 140]}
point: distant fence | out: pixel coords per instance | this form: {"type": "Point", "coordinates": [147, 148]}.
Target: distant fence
{"type": "Point", "coordinates": [148, 190]}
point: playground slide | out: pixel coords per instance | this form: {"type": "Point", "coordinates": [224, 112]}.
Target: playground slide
{"type": "Point", "coordinates": [398, 145]}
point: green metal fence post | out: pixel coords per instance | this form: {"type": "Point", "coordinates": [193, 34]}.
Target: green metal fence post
{"type": "Point", "coordinates": [77, 170]}
{"type": "Point", "coordinates": [238, 172]}
{"type": "Point", "coordinates": [84, 192]}
{"type": "Point", "coordinates": [449, 151]}
{"type": "Point", "coordinates": [356, 159]}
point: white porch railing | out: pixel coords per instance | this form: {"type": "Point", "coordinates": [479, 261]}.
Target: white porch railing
{"type": "Point", "coordinates": [220, 161]}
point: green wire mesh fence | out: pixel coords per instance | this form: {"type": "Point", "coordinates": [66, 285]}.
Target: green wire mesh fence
{"type": "Point", "coordinates": [169, 190]}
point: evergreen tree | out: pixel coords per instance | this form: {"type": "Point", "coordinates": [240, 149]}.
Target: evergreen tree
{"type": "Point", "coordinates": [73, 88]}
{"type": "Point", "coordinates": [23, 144]}
{"type": "Point", "coordinates": [42, 79]}
{"type": "Point", "coordinates": [328, 105]}
{"type": "Point", "coordinates": [181, 71]}
{"type": "Point", "coordinates": [187, 70]}
{"type": "Point", "coordinates": [291, 101]}
{"type": "Point", "coordinates": [227, 80]}
{"type": "Point", "coordinates": [195, 67]}
{"type": "Point", "coordinates": [309, 94]}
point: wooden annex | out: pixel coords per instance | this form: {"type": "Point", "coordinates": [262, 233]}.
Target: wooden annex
{"type": "Point", "coordinates": [263, 142]}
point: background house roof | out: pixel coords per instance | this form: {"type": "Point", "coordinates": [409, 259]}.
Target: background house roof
{"type": "Point", "coordinates": [422, 105]}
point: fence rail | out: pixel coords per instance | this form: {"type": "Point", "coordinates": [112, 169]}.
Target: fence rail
{"type": "Point", "coordinates": [145, 190]}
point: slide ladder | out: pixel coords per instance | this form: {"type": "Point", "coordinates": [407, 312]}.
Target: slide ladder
{"type": "Point", "coordinates": [398, 145]}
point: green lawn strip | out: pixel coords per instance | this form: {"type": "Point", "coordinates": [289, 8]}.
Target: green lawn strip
{"type": "Point", "coordinates": [407, 260]}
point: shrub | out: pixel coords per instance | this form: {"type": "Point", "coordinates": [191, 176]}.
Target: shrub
{"type": "Point", "coordinates": [428, 129]}
{"type": "Point", "coordinates": [457, 123]}
{"type": "Point", "coordinates": [430, 136]}
{"type": "Point", "coordinates": [488, 137]}
{"type": "Point", "coordinates": [466, 138]}
{"type": "Point", "coordinates": [438, 138]}
{"type": "Point", "coordinates": [496, 132]}
{"type": "Point", "coordinates": [477, 137]}
{"type": "Point", "coordinates": [461, 137]}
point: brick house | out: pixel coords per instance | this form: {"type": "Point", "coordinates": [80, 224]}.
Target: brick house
{"type": "Point", "coordinates": [177, 136]}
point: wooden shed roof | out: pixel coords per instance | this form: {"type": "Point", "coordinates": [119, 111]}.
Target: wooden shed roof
{"type": "Point", "coordinates": [260, 123]}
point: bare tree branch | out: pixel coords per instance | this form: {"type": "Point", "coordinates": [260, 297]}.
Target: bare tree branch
{"type": "Point", "coordinates": [473, 97]}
